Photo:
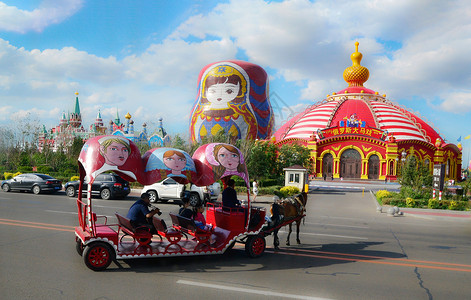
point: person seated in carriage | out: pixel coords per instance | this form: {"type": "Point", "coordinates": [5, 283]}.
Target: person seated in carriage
{"type": "Point", "coordinates": [139, 213]}
{"type": "Point", "coordinates": [185, 210]}
{"type": "Point", "coordinates": [229, 196]}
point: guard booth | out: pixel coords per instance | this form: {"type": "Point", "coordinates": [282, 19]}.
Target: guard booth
{"type": "Point", "coordinates": [296, 176]}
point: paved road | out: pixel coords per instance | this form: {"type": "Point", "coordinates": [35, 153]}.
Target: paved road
{"type": "Point", "coordinates": [348, 251]}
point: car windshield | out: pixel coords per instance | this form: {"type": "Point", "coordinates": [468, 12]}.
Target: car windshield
{"type": "Point", "coordinates": [43, 176]}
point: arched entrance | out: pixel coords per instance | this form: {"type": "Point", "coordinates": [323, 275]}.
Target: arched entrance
{"type": "Point", "coordinates": [373, 167]}
{"type": "Point", "coordinates": [327, 165]}
{"type": "Point", "coordinates": [350, 164]}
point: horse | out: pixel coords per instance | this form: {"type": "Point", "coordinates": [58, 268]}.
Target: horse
{"type": "Point", "coordinates": [288, 209]}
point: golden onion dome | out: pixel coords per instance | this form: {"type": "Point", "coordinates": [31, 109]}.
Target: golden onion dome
{"type": "Point", "coordinates": [127, 116]}
{"type": "Point", "coordinates": [356, 75]}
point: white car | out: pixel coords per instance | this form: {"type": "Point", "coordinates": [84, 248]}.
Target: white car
{"type": "Point", "coordinates": [169, 189]}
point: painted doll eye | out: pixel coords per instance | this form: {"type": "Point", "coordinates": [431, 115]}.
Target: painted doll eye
{"type": "Point", "coordinates": [229, 91]}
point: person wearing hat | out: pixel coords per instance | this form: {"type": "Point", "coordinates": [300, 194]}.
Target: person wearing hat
{"type": "Point", "coordinates": [139, 213]}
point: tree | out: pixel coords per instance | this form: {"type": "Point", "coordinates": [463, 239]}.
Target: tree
{"type": "Point", "coordinates": [75, 148]}
{"type": "Point", "coordinates": [179, 143]}
{"type": "Point", "coordinates": [261, 160]}
{"type": "Point", "coordinates": [292, 154]}
{"type": "Point", "coordinates": [414, 177]}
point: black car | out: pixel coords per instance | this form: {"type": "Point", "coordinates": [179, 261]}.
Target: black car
{"type": "Point", "coordinates": [106, 185]}
{"type": "Point", "coordinates": [33, 182]}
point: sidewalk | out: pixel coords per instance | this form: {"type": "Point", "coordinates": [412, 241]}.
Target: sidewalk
{"type": "Point", "coordinates": [437, 212]}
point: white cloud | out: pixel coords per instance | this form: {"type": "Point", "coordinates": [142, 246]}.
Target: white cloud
{"type": "Point", "coordinates": [310, 41]}
{"type": "Point", "coordinates": [457, 103]}
{"type": "Point", "coordinates": [49, 12]}
{"type": "Point", "coordinates": [413, 50]}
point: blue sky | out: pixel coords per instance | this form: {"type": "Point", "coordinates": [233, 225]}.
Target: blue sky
{"type": "Point", "coordinates": [143, 57]}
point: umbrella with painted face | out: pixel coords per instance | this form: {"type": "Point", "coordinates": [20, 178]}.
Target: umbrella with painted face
{"type": "Point", "coordinates": [217, 161]}
{"type": "Point", "coordinates": [111, 153]}
{"type": "Point", "coordinates": [168, 162]}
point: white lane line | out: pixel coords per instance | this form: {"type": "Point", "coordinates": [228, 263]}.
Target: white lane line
{"type": "Point", "coordinates": [337, 225]}
{"type": "Point", "coordinates": [62, 212]}
{"type": "Point", "coordinates": [250, 291]}
{"type": "Point", "coordinates": [331, 235]}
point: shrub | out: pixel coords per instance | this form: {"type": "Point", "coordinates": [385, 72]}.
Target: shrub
{"type": "Point", "coordinates": [269, 190]}
{"type": "Point", "coordinates": [44, 169]}
{"type": "Point", "coordinates": [289, 191]}
{"type": "Point", "coordinates": [383, 194]}
{"type": "Point", "coordinates": [241, 189]}
{"type": "Point", "coordinates": [74, 178]}
{"type": "Point", "coordinates": [410, 202]}
{"type": "Point", "coordinates": [269, 182]}
{"type": "Point", "coordinates": [433, 203]}
{"type": "Point", "coordinates": [25, 169]}
{"type": "Point", "coordinates": [8, 175]}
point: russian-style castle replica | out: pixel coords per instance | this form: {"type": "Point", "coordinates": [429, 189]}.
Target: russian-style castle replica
{"type": "Point", "coordinates": [70, 127]}
{"type": "Point", "coordinates": [357, 133]}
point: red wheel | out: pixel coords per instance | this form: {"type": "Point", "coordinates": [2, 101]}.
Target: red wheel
{"type": "Point", "coordinates": [255, 245]}
{"type": "Point", "coordinates": [98, 256]}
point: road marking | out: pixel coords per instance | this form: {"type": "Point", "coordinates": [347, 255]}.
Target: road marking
{"type": "Point", "coordinates": [404, 262]}
{"type": "Point", "coordinates": [61, 212]}
{"type": "Point", "coordinates": [337, 225]}
{"type": "Point", "coordinates": [330, 235]}
{"type": "Point", "coordinates": [249, 291]}
{"type": "Point", "coordinates": [37, 225]}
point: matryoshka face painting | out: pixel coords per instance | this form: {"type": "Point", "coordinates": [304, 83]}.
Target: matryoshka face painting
{"type": "Point", "coordinates": [175, 162]}
{"type": "Point", "coordinates": [116, 154]}
{"type": "Point", "coordinates": [220, 94]}
{"type": "Point", "coordinates": [228, 159]}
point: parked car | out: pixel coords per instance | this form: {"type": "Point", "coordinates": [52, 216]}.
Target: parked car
{"type": "Point", "coordinates": [106, 185]}
{"type": "Point", "coordinates": [33, 182]}
{"type": "Point", "coordinates": [170, 189]}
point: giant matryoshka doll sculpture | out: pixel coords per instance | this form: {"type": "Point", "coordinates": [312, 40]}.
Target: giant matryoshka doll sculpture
{"type": "Point", "coordinates": [232, 96]}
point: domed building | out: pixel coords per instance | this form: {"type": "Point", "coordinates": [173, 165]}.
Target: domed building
{"type": "Point", "coordinates": [358, 133]}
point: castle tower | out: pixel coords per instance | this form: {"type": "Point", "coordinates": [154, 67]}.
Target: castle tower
{"type": "Point", "coordinates": [75, 118]}
{"type": "Point", "coordinates": [128, 118]}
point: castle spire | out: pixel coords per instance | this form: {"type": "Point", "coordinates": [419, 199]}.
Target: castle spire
{"type": "Point", "coordinates": [77, 106]}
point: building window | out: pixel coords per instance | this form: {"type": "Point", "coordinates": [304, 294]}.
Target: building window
{"type": "Point", "coordinates": [291, 176]}
{"type": "Point", "coordinates": [296, 178]}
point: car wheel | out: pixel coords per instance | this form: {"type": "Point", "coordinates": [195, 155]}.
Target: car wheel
{"type": "Point", "coordinates": [70, 191]}
{"type": "Point", "coordinates": [6, 187]}
{"type": "Point", "coordinates": [153, 197]}
{"type": "Point", "coordinates": [105, 194]}
{"type": "Point", "coordinates": [98, 256]}
{"type": "Point", "coordinates": [36, 189]}
{"type": "Point", "coordinates": [195, 199]}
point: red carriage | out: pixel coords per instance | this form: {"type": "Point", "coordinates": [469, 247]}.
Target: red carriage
{"type": "Point", "coordinates": [101, 241]}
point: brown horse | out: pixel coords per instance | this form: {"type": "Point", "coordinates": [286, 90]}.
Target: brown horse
{"type": "Point", "coordinates": [286, 210]}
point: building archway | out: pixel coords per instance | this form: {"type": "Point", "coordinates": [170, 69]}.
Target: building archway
{"type": "Point", "coordinates": [328, 165]}
{"type": "Point", "coordinates": [350, 164]}
{"type": "Point", "coordinates": [373, 167]}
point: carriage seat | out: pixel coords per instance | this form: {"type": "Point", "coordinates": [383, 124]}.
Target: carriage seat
{"type": "Point", "coordinates": [188, 226]}
{"type": "Point", "coordinates": [141, 234]}
{"type": "Point", "coordinates": [172, 235]}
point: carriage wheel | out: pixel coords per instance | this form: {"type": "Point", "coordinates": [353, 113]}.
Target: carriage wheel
{"type": "Point", "coordinates": [79, 247]}
{"type": "Point", "coordinates": [255, 245]}
{"type": "Point", "coordinates": [98, 256]}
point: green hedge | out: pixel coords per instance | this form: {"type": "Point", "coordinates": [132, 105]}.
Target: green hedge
{"type": "Point", "coordinates": [427, 203]}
